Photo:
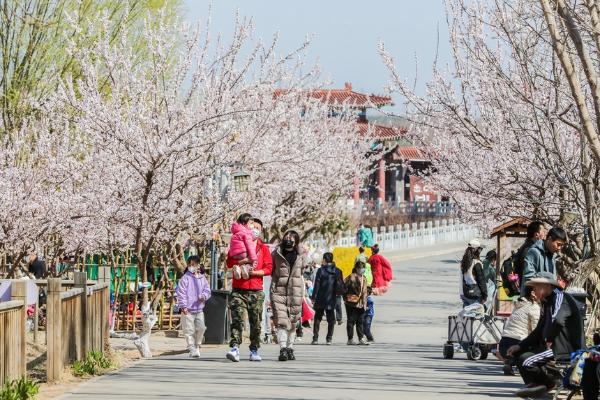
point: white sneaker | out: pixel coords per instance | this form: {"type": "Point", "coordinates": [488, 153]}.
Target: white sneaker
{"type": "Point", "coordinates": [363, 342]}
{"type": "Point", "coordinates": [244, 272]}
{"type": "Point", "coordinates": [233, 354]}
{"type": "Point", "coordinates": [195, 353]}
{"type": "Point", "coordinates": [237, 273]}
{"type": "Point", "coordinates": [254, 356]}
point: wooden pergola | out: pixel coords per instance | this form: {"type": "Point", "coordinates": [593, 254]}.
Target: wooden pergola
{"type": "Point", "coordinates": [515, 228]}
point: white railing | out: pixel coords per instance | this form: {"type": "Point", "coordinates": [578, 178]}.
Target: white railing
{"type": "Point", "coordinates": [407, 236]}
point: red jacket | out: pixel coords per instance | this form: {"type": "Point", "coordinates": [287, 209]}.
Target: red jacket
{"type": "Point", "coordinates": [381, 269]}
{"type": "Point", "coordinates": [265, 263]}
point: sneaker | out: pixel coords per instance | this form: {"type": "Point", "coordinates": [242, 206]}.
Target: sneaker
{"type": "Point", "coordinates": [363, 342]}
{"type": "Point", "coordinates": [234, 354]}
{"type": "Point", "coordinates": [328, 342]}
{"type": "Point", "coordinates": [351, 342]}
{"type": "Point", "coordinates": [254, 356]}
{"type": "Point", "coordinates": [237, 273]}
{"type": "Point", "coordinates": [283, 355]}
{"type": "Point", "coordinates": [244, 272]}
{"type": "Point", "coordinates": [195, 353]}
{"type": "Point", "coordinates": [290, 355]}
{"type": "Point", "coordinates": [340, 322]}
{"type": "Point", "coordinates": [314, 341]}
{"type": "Point", "coordinates": [532, 391]}
{"type": "Point", "coordinates": [371, 340]}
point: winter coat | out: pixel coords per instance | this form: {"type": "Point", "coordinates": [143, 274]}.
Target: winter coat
{"type": "Point", "coordinates": [356, 284]}
{"type": "Point", "coordinates": [381, 270]}
{"type": "Point", "coordinates": [188, 292]}
{"type": "Point", "coordinates": [264, 263]}
{"type": "Point", "coordinates": [560, 323]}
{"type": "Point", "coordinates": [287, 290]}
{"type": "Point", "coordinates": [523, 320]}
{"type": "Point", "coordinates": [537, 259]}
{"type": "Point", "coordinates": [365, 237]}
{"type": "Point", "coordinates": [328, 278]}
{"type": "Point", "coordinates": [242, 242]}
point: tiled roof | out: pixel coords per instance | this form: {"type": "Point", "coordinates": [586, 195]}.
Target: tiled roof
{"type": "Point", "coordinates": [347, 96]}
{"type": "Point", "coordinates": [380, 131]}
{"type": "Point", "coordinates": [410, 153]}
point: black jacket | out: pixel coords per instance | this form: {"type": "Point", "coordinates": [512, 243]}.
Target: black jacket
{"type": "Point", "coordinates": [478, 290]}
{"type": "Point", "coordinates": [560, 323]}
{"type": "Point", "coordinates": [327, 280]}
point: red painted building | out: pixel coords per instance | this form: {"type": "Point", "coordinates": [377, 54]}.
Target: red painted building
{"type": "Point", "coordinates": [398, 158]}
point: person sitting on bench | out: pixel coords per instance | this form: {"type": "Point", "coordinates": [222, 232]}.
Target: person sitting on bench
{"type": "Point", "coordinates": [558, 333]}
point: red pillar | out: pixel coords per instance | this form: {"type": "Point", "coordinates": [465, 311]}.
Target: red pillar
{"type": "Point", "coordinates": [356, 191]}
{"type": "Point", "coordinates": [381, 180]}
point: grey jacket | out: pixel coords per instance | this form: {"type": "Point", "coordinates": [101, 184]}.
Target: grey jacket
{"type": "Point", "coordinates": [537, 259]}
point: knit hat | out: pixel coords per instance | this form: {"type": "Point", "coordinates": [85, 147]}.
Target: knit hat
{"type": "Point", "coordinates": [475, 243]}
{"type": "Point", "coordinates": [543, 277]}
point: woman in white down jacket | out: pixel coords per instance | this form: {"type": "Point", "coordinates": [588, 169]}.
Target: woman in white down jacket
{"type": "Point", "coordinates": [522, 321]}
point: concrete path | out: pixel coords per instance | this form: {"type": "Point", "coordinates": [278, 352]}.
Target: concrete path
{"type": "Point", "coordinates": [405, 363]}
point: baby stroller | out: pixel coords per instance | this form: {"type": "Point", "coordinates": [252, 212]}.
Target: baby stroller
{"type": "Point", "coordinates": [475, 330]}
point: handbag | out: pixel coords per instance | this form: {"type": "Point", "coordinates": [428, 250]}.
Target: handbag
{"type": "Point", "coordinates": [355, 298]}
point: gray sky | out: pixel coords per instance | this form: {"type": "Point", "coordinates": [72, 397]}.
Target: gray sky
{"type": "Point", "coordinates": [346, 34]}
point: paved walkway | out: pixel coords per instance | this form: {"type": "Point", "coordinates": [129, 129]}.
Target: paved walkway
{"type": "Point", "coordinates": [405, 363]}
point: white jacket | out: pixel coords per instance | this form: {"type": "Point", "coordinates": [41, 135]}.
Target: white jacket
{"type": "Point", "coordinates": [523, 320]}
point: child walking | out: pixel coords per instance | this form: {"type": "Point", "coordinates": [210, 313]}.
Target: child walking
{"type": "Point", "coordinates": [192, 293]}
{"type": "Point", "coordinates": [242, 247]}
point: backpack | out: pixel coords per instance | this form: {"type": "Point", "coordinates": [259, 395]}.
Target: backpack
{"type": "Point", "coordinates": [510, 277]}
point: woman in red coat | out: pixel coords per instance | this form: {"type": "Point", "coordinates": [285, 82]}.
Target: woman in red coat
{"type": "Point", "coordinates": [382, 272]}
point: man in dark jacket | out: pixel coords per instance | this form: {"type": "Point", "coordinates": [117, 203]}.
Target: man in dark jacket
{"type": "Point", "coordinates": [558, 333]}
{"type": "Point", "coordinates": [328, 285]}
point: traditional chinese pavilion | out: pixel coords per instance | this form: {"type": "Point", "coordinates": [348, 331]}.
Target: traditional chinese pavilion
{"type": "Point", "coordinates": [394, 180]}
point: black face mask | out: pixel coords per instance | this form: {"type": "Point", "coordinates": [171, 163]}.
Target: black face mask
{"type": "Point", "coordinates": [287, 244]}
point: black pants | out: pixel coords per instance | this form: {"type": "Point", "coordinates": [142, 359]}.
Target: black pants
{"type": "Point", "coordinates": [330, 322]}
{"type": "Point", "coordinates": [367, 326]}
{"type": "Point", "coordinates": [589, 380]}
{"type": "Point", "coordinates": [354, 317]}
{"type": "Point", "coordinates": [338, 308]}
{"type": "Point", "coordinates": [505, 344]}
{"type": "Point", "coordinates": [534, 373]}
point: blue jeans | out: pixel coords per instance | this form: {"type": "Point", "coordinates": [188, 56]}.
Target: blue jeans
{"type": "Point", "coordinates": [367, 326]}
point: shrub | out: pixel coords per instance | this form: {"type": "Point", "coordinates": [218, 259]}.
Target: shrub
{"type": "Point", "coordinates": [94, 363]}
{"type": "Point", "coordinates": [20, 389]}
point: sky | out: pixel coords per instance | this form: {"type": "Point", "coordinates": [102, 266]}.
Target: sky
{"type": "Point", "coordinates": [346, 34]}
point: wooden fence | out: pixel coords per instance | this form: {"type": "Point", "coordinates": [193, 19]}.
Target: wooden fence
{"type": "Point", "coordinates": [77, 322]}
{"type": "Point", "coordinates": [13, 316]}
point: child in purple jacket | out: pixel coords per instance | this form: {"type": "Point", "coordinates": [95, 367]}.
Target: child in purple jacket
{"type": "Point", "coordinates": [192, 293]}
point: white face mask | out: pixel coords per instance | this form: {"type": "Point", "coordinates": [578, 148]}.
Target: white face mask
{"type": "Point", "coordinates": [361, 271]}
{"type": "Point", "coordinates": [255, 233]}
{"type": "Point", "coordinates": [193, 270]}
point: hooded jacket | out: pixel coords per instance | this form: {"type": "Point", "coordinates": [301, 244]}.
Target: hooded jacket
{"type": "Point", "coordinates": [560, 324]}
{"type": "Point", "coordinates": [287, 290]}
{"type": "Point", "coordinates": [188, 292]}
{"type": "Point", "coordinates": [242, 242]}
{"type": "Point", "coordinates": [328, 277]}
{"type": "Point", "coordinates": [537, 259]}
{"type": "Point", "coordinates": [381, 270]}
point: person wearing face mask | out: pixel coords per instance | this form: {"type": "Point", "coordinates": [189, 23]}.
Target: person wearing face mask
{"type": "Point", "coordinates": [356, 303]}
{"type": "Point", "coordinates": [247, 297]}
{"type": "Point", "coordinates": [192, 293]}
{"type": "Point", "coordinates": [381, 269]}
{"type": "Point", "coordinates": [287, 291]}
